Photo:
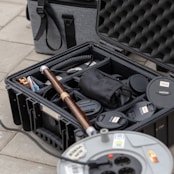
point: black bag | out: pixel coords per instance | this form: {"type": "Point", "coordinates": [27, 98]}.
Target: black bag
{"type": "Point", "coordinates": [110, 92]}
{"type": "Point", "coordinates": [61, 24]}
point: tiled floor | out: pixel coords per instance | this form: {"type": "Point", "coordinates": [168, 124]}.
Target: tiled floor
{"type": "Point", "coordinates": [18, 154]}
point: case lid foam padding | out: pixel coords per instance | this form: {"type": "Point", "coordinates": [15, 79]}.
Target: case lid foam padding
{"type": "Point", "coordinates": [145, 26]}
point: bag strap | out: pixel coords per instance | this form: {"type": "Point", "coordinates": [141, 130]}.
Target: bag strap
{"type": "Point", "coordinates": [46, 16]}
{"type": "Point", "coordinates": [69, 30]}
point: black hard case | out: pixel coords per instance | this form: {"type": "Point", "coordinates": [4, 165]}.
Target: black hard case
{"type": "Point", "coordinates": [136, 26]}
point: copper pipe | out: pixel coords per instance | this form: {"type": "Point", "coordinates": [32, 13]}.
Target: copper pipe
{"type": "Point", "coordinates": [75, 109]}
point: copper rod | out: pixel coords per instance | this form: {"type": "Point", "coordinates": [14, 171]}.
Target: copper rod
{"type": "Point", "coordinates": [75, 109]}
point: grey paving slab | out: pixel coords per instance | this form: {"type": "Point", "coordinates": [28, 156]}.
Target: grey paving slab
{"type": "Point", "coordinates": [12, 54]}
{"type": "Point", "coordinates": [151, 65]}
{"type": "Point", "coordinates": [137, 58]}
{"type": "Point", "coordinates": [22, 147]}
{"type": "Point", "coordinates": [2, 76]}
{"type": "Point", "coordinates": [172, 149]}
{"type": "Point", "coordinates": [10, 165]}
{"type": "Point", "coordinates": [15, 1]}
{"type": "Point", "coordinates": [5, 114]}
{"type": "Point", "coordinates": [2, 85]}
{"type": "Point", "coordinates": [36, 56]}
{"type": "Point", "coordinates": [23, 13]}
{"type": "Point", "coordinates": [23, 65]}
{"type": "Point", "coordinates": [18, 30]}
{"type": "Point", "coordinates": [5, 137]}
{"type": "Point", "coordinates": [9, 11]}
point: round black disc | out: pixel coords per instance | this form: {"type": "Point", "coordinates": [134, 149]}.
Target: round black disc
{"type": "Point", "coordinates": [111, 120]}
{"type": "Point", "coordinates": [90, 107]}
{"type": "Point", "coordinates": [141, 111]}
{"type": "Point", "coordinates": [138, 83]}
{"type": "Point", "coordinates": [160, 91]}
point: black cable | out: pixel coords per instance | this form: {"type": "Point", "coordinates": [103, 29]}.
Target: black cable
{"type": "Point", "coordinates": [59, 71]}
{"type": "Point", "coordinates": [92, 163]}
{"type": "Point", "coordinates": [39, 145]}
{"type": "Point", "coordinates": [73, 61]}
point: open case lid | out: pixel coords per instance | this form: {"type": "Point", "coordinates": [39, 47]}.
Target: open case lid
{"type": "Point", "coordinates": [144, 27]}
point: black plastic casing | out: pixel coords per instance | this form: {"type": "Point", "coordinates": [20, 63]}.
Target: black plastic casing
{"type": "Point", "coordinates": [137, 26]}
{"type": "Point", "coordinates": [56, 125]}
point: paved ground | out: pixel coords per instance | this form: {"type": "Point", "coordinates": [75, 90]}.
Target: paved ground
{"type": "Point", "coordinates": [18, 154]}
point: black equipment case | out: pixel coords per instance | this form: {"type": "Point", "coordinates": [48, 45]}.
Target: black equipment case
{"type": "Point", "coordinates": [143, 27]}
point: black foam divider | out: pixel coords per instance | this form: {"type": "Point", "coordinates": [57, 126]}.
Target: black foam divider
{"type": "Point", "coordinates": [147, 26]}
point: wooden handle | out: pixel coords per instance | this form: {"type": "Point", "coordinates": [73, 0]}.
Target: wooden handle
{"type": "Point", "coordinates": [75, 109]}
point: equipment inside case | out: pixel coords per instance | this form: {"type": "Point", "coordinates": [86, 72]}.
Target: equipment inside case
{"type": "Point", "coordinates": [100, 80]}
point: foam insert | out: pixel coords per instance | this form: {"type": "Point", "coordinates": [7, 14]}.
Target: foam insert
{"type": "Point", "coordinates": [147, 26]}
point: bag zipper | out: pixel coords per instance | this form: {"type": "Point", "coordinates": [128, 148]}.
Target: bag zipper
{"type": "Point", "coordinates": [77, 3]}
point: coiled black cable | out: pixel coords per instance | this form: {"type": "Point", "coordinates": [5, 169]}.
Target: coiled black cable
{"type": "Point", "coordinates": [73, 61]}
